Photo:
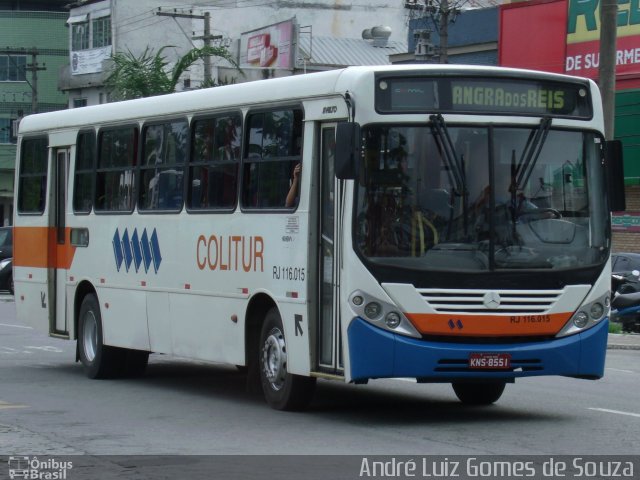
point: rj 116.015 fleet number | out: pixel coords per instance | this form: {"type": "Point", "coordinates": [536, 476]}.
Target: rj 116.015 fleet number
{"type": "Point", "coordinates": [289, 273]}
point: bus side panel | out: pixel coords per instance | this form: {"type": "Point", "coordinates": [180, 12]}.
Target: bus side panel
{"type": "Point", "coordinates": [159, 322]}
{"type": "Point", "coordinates": [202, 328]}
{"type": "Point", "coordinates": [31, 296]}
{"type": "Point", "coordinates": [32, 256]}
{"type": "Point", "coordinates": [124, 318]}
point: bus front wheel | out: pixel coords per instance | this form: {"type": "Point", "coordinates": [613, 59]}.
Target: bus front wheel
{"type": "Point", "coordinates": [98, 360]}
{"type": "Point", "coordinates": [282, 390]}
{"type": "Point", "coordinates": [478, 393]}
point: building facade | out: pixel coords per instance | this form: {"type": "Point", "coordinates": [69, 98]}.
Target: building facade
{"type": "Point", "coordinates": [33, 47]}
{"type": "Point", "coordinates": [135, 26]}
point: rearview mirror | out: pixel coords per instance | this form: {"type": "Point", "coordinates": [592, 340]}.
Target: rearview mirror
{"type": "Point", "coordinates": [615, 175]}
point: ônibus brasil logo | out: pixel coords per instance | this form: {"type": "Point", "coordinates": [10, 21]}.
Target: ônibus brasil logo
{"type": "Point", "coordinates": [34, 469]}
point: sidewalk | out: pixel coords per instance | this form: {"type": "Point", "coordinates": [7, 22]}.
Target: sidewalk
{"type": "Point", "coordinates": [627, 341]}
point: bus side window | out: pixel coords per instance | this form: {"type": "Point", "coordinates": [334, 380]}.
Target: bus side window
{"type": "Point", "coordinates": [274, 147]}
{"type": "Point", "coordinates": [84, 170]}
{"type": "Point", "coordinates": [164, 152]}
{"type": "Point", "coordinates": [213, 167]}
{"type": "Point", "coordinates": [32, 187]}
{"type": "Point", "coordinates": [117, 151]}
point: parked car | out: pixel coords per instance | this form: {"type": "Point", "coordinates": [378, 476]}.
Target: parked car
{"type": "Point", "coordinates": [6, 259]}
{"type": "Point", "coordinates": [625, 262]}
{"type": "Point", "coordinates": [6, 275]}
{"type": "Point", "coordinates": [6, 242]}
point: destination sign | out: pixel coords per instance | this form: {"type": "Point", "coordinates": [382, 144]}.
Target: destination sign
{"type": "Point", "coordinates": [474, 95]}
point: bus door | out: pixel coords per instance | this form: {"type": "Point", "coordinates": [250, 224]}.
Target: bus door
{"type": "Point", "coordinates": [57, 285]}
{"type": "Point", "coordinates": [329, 337]}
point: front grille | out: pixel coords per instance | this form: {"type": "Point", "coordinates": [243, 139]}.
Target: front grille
{"type": "Point", "coordinates": [487, 340]}
{"type": "Point", "coordinates": [477, 301]}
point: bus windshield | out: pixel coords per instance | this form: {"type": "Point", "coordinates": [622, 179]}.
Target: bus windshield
{"type": "Point", "coordinates": [481, 198]}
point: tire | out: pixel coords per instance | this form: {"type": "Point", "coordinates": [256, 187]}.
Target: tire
{"type": "Point", "coordinates": [478, 393]}
{"type": "Point", "coordinates": [282, 390]}
{"type": "Point", "coordinates": [98, 360]}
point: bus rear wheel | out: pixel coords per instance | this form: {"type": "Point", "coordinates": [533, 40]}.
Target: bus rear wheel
{"type": "Point", "coordinates": [478, 393]}
{"type": "Point", "coordinates": [98, 360]}
{"type": "Point", "coordinates": [282, 390]}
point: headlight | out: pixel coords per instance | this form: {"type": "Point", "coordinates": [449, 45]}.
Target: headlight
{"type": "Point", "coordinates": [580, 319]}
{"type": "Point", "coordinates": [372, 310]}
{"type": "Point", "coordinates": [392, 319]}
{"type": "Point", "coordinates": [381, 313]}
{"type": "Point", "coordinates": [596, 311]}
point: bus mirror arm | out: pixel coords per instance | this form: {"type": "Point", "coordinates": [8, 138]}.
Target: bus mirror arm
{"type": "Point", "coordinates": [347, 150]}
{"type": "Point", "coordinates": [615, 175]}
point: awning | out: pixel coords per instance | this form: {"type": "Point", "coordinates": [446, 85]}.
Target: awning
{"type": "Point", "coordinates": [101, 13]}
{"type": "Point", "coordinates": [77, 19]}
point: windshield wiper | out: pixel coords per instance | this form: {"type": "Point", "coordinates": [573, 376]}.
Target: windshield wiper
{"type": "Point", "coordinates": [531, 153]}
{"type": "Point", "coordinates": [454, 164]}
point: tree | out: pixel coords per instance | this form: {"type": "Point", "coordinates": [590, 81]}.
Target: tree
{"type": "Point", "coordinates": [148, 74]}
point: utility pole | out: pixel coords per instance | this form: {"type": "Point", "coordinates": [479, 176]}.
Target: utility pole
{"type": "Point", "coordinates": [607, 69]}
{"type": "Point", "coordinates": [32, 67]}
{"type": "Point", "coordinates": [443, 31]}
{"type": "Point", "coordinates": [207, 37]}
{"type": "Point", "coordinates": [441, 13]}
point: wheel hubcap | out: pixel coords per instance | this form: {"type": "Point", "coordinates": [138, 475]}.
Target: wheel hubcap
{"type": "Point", "coordinates": [274, 359]}
{"type": "Point", "coordinates": [90, 336]}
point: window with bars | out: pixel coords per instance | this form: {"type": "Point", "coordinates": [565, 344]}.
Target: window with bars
{"type": "Point", "coordinates": [80, 36]}
{"type": "Point", "coordinates": [13, 68]}
{"type": "Point", "coordinates": [101, 32]}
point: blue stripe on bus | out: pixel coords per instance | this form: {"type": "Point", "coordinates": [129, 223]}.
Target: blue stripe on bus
{"type": "Point", "coordinates": [117, 249]}
{"type": "Point", "coordinates": [146, 251]}
{"type": "Point", "coordinates": [378, 353]}
{"type": "Point", "coordinates": [126, 245]}
{"type": "Point", "coordinates": [137, 254]}
{"type": "Point", "coordinates": [155, 249]}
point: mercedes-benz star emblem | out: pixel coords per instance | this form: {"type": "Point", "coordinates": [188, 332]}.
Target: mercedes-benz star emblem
{"type": "Point", "coordinates": [491, 300]}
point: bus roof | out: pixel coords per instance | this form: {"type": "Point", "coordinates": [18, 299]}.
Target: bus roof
{"type": "Point", "coordinates": [250, 93]}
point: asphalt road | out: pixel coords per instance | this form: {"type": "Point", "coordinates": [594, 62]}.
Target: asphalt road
{"type": "Point", "coordinates": [48, 407]}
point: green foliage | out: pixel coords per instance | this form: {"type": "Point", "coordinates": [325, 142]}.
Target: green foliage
{"type": "Point", "coordinates": [615, 327]}
{"type": "Point", "coordinates": [148, 75]}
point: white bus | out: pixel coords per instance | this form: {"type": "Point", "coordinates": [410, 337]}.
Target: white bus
{"type": "Point", "coordinates": [443, 223]}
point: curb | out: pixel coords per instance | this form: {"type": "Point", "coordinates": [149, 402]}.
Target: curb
{"type": "Point", "coordinates": [618, 346]}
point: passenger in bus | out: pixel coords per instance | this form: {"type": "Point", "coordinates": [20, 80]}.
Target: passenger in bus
{"type": "Point", "coordinates": [293, 195]}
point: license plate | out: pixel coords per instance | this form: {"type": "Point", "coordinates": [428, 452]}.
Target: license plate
{"type": "Point", "coordinates": [493, 361]}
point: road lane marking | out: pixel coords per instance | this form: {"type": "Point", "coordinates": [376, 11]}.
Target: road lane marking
{"type": "Point", "coordinates": [6, 405]}
{"type": "Point", "coordinates": [620, 370]}
{"type": "Point", "coordinates": [15, 326]}
{"type": "Point", "coordinates": [617, 412]}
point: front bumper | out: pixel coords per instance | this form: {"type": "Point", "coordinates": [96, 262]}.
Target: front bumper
{"type": "Point", "coordinates": [377, 353]}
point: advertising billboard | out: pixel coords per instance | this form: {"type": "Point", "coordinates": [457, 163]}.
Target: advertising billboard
{"type": "Point", "coordinates": [583, 38]}
{"type": "Point", "coordinates": [268, 47]}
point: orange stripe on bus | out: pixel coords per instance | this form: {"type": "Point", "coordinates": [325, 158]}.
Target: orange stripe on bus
{"type": "Point", "coordinates": [38, 247]}
{"type": "Point", "coordinates": [488, 325]}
